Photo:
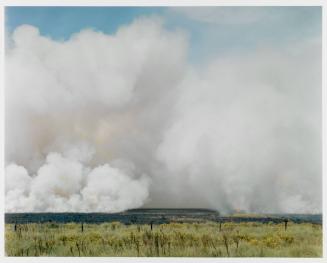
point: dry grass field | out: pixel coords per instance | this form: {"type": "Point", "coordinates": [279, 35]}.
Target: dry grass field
{"type": "Point", "coordinates": [166, 240]}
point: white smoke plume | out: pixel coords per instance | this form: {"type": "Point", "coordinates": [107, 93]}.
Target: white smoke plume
{"type": "Point", "coordinates": [247, 133]}
{"type": "Point", "coordinates": [111, 122]}
{"type": "Point", "coordinates": [64, 184]}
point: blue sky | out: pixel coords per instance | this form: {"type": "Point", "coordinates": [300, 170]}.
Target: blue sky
{"type": "Point", "coordinates": [219, 30]}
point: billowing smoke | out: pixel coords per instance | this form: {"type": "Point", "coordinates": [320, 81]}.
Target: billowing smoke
{"type": "Point", "coordinates": [111, 122]}
{"type": "Point", "coordinates": [246, 133]}
{"type": "Point", "coordinates": [64, 184]}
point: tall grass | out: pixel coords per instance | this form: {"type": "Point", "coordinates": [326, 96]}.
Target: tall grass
{"type": "Point", "coordinates": [166, 240]}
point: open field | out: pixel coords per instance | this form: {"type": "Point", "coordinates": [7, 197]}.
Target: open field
{"type": "Point", "coordinates": [204, 239]}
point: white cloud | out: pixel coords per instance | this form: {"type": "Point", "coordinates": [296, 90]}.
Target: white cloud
{"type": "Point", "coordinates": [224, 15]}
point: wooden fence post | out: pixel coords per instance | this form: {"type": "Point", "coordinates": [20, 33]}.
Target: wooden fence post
{"type": "Point", "coordinates": [285, 221]}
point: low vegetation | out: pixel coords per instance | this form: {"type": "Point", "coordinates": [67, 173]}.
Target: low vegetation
{"type": "Point", "coordinates": [167, 240]}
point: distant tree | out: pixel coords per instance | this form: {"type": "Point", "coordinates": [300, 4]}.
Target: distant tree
{"type": "Point", "coordinates": [133, 219]}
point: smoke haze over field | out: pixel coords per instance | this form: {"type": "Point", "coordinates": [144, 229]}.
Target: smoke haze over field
{"type": "Point", "coordinates": [105, 123]}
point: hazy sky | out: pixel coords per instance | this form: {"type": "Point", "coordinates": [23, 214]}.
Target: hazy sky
{"type": "Point", "coordinates": [111, 108]}
{"type": "Point", "coordinates": [212, 30]}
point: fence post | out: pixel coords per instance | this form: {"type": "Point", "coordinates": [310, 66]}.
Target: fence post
{"type": "Point", "coordinates": [285, 221]}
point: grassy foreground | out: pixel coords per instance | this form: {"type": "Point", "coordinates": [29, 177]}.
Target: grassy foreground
{"type": "Point", "coordinates": [167, 240]}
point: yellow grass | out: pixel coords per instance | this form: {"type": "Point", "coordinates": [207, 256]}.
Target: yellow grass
{"type": "Point", "coordinates": [167, 240]}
